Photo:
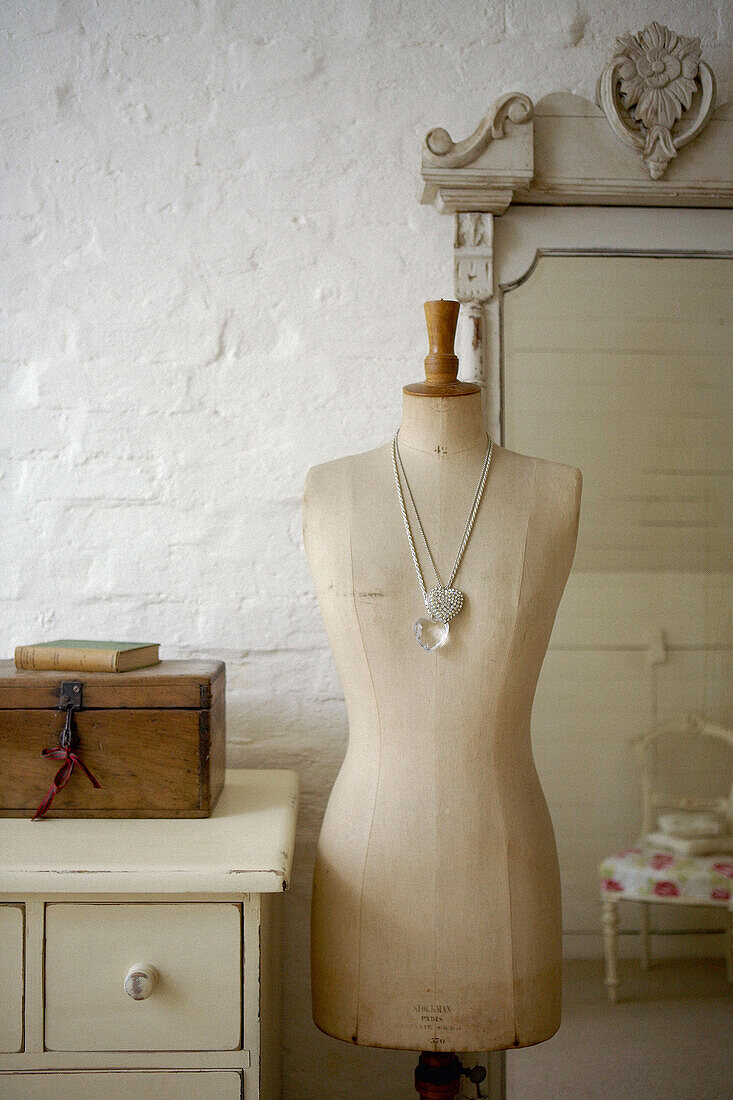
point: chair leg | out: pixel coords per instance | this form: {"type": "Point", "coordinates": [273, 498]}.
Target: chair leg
{"type": "Point", "coordinates": [609, 918]}
{"type": "Point", "coordinates": [729, 947]}
{"type": "Point", "coordinates": [645, 942]}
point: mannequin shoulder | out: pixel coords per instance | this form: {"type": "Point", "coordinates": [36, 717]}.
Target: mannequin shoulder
{"type": "Point", "coordinates": [334, 480]}
{"type": "Point", "coordinates": [323, 480]}
{"type": "Point", "coordinates": [561, 483]}
{"type": "Point", "coordinates": [555, 518]}
{"type": "Point", "coordinates": [552, 478]}
{"type": "Point", "coordinates": [558, 486]}
{"type": "Point", "coordinates": [330, 489]}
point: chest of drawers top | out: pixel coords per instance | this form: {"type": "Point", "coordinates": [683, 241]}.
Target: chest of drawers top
{"type": "Point", "coordinates": [246, 846]}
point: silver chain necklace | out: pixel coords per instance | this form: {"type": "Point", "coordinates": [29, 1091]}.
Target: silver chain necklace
{"type": "Point", "coordinates": [443, 601]}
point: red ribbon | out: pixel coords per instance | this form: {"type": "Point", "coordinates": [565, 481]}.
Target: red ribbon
{"type": "Point", "coordinates": [63, 775]}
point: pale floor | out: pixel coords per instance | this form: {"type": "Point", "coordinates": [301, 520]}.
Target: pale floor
{"type": "Point", "coordinates": [670, 1037]}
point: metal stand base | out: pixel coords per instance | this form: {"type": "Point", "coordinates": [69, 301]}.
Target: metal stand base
{"type": "Point", "coordinates": [438, 1076]}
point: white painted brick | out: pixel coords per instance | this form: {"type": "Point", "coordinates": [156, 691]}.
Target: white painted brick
{"type": "Point", "coordinates": [214, 265]}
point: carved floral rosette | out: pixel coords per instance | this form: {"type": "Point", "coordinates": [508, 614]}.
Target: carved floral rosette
{"type": "Point", "coordinates": [647, 91]}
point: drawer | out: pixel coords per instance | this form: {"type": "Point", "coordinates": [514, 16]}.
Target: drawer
{"type": "Point", "coordinates": [151, 1084]}
{"type": "Point", "coordinates": [12, 964]}
{"type": "Point", "coordinates": [194, 950]}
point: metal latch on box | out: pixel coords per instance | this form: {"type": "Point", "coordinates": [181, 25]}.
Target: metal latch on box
{"type": "Point", "coordinates": [70, 700]}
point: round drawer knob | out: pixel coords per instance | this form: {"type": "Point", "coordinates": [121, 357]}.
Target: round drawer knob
{"type": "Point", "coordinates": [141, 981]}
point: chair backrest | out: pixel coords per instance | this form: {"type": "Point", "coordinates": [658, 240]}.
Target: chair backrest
{"type": "Point", "coordinates": [685, 764]}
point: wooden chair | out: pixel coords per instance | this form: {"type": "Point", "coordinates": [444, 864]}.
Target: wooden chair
{"type": "Point", "coordinates": [683, 765]}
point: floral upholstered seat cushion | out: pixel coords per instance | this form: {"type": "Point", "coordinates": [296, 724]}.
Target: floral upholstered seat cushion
{"type": "Point", "coordinates": [644, 872]}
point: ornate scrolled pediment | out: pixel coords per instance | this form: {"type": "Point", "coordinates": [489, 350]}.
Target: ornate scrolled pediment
{"type": "Point", "coordinates": [442, 152]}
{"type": "Point", "coordinates": [655, 94]}
{"type": "Point", "coordinates": [485, 170]}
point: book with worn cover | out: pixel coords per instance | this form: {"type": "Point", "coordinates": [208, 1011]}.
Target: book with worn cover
{"type": "Point", "coordinates": [85, 656]}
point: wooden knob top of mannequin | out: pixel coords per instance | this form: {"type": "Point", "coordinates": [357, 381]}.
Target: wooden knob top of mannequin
{"type": "Point", "coordinates": [441, 363]}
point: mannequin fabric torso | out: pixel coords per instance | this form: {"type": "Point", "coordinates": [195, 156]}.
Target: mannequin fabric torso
{"type": "Point", "coordinates": [436, 898]}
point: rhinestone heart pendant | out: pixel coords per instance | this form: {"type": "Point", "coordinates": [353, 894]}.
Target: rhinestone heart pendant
{"type": "Point", "coordinates": [444, 603]}
{"type": "Point", "coordinates": [431, 634]}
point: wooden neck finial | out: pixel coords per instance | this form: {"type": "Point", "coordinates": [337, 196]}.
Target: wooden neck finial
{"type": "Point", "coordinates": [441, 363]}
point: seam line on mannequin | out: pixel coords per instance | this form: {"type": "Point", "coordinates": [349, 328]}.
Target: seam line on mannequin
{"type": "Point", "coordinates": [498, 785]}
{"type": "Point", "coordinates": [379, 765]}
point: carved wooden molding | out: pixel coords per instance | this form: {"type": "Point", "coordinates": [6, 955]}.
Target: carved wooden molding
{"type": "Point", "coordinates": [442, 152]}
{"type": "Point", "coordinates": [483, 172]}
{"type": "Point", "coordinates": [647, 91]}
{"type": "Point", "coordinates": [565, 149]}
{"type": "Point", "coordinates": [568, 154]}
{"type": "Point", "coordinates": [473, 256]}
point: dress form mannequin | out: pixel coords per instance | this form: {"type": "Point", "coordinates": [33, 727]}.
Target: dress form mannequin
{"type": "Point", "coordinates": [436, 898]}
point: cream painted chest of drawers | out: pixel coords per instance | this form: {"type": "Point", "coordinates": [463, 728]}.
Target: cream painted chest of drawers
{"type": "Point", "coordinates": [140, 958]}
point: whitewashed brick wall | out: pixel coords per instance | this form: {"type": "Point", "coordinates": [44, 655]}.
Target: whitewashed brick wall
{"type": "Point", "coordinates": [213, 270]}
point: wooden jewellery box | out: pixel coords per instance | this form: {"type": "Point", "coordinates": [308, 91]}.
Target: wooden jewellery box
{"type": "Point", "coordinates": [153, 740]}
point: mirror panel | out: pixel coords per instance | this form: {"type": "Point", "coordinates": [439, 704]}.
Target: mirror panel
{"type": "Point", "coordinates": [619, 364]}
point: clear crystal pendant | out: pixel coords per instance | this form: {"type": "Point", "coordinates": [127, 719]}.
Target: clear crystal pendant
{"type": "Point", "coordinates": [431, 634]}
